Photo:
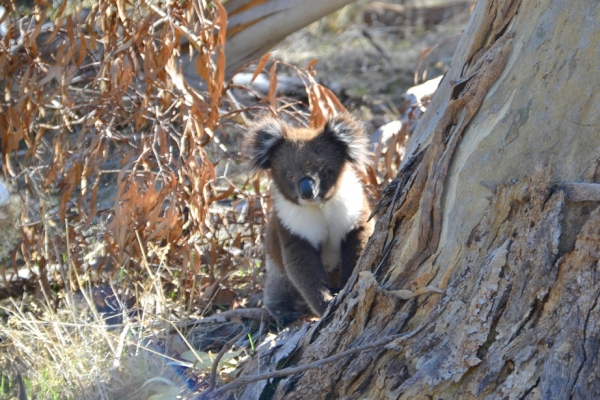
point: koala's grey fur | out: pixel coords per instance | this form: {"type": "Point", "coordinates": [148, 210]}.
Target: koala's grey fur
{"type": "Point", "coordinates": [318, 226]}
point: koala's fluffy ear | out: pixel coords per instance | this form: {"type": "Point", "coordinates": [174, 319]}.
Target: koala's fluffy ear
{"type": "Point", "coordinates": [346, 131]}
{"type": "Point", "coordinates": [262, 141]}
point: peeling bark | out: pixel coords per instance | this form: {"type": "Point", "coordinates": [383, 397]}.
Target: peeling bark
{"type": "Point", "coordinates": [497, 205]}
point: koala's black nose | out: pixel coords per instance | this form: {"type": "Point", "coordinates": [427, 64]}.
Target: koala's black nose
{"type": "Point", "coordinates": [307, 188]}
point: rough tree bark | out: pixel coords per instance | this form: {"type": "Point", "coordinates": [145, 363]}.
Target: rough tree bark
{"type": "Point", "coordinates": [490, 207]}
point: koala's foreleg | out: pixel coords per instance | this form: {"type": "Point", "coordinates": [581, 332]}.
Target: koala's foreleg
{"type": "Point", "coordinates": [352, 248]}
{"type": "Point", "coordinates": [305, 270]}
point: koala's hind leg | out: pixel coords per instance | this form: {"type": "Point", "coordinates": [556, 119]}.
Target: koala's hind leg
{"type": "Point", "coordinates": [281, 298]}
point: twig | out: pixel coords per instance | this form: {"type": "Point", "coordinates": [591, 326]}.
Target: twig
{"type": "Point", "coordinates": [189, 35]}
{"type": "Point", "coordinates": [245, 380]}
{"type": "Point", "coordinates": [382, 52]}
{"type": "Point", "coordinates": [213, 373]}
{"type": "Point", "coordinates": [257, 314]}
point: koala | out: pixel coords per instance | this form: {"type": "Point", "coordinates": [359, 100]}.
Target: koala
{"type": "Point", "coordinates": [318, 225]}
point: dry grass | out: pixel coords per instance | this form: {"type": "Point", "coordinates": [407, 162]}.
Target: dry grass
{"type": "Point", "coordinates": [71, 353]}
{"type": "Point", "coordinates": [132, 211]}
{"type": "Point", "coordinates": [124, 182]}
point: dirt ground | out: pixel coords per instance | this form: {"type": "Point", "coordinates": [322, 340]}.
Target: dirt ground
{"type": "Point", "coordinates": [368, 54]}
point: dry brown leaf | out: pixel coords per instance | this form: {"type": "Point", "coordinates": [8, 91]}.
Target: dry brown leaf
{"type": "Point", "coordinates": [312, 64]}
{"type": "Point", "coordinates": [271, 97]}
{"type": "Point", "coordinates": [260, 66]}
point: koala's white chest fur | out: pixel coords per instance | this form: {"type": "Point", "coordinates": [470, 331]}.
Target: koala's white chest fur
{"type": "Point", "coordinates": [325, 225]}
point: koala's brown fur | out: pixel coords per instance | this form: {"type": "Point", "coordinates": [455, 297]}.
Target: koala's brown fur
{"type": "Point", "coordinates": [318, 226]}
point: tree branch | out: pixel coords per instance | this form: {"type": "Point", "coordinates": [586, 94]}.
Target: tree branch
{"type": "Point", "coordinates": [213, 373]}
{"type": "Point", "coordinates": [245, 380]}
{"type": "Point", "coordinates": [257, 314]}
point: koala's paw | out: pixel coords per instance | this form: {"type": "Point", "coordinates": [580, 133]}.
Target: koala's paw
{"type": "Point", "coordinates": [285, 317]}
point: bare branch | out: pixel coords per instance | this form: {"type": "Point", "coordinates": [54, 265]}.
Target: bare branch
{"type": "Point", "coordinates": [257, 314]}
{"type": "Point", "coordinates": [213, 373]}
{"type": "Point", "coordinates": [245, 380]}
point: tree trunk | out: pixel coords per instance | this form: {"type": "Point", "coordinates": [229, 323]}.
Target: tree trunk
{"type": "Point", "coordinates": [487, 207]}
{"type": "Point", "coordinates": [254, 27]}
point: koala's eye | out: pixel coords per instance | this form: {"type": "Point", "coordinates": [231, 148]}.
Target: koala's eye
{"type": "Point", "coordinates": [290, 175]}
{"type": "Point", "coordinates": [324, 173]}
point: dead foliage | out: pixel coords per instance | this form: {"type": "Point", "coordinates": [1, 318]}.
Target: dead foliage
{"type": "Point", "coordinates": [113, 149]}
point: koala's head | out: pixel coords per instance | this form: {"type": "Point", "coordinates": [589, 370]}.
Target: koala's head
{"type": "Point", "coordinates": [306, 164]}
